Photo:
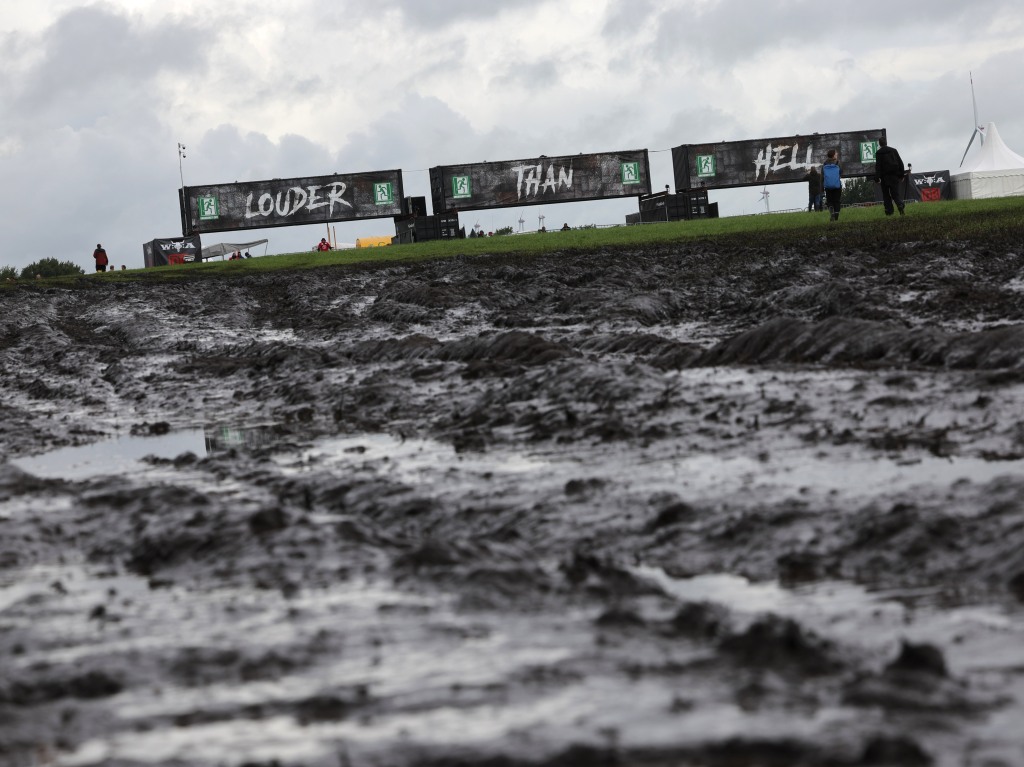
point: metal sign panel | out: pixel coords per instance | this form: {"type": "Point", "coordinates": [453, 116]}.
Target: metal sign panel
{"type": "Point", "coordinates": [290, 202]}
{"type": "Point", "coordinates": [772, 160]}
{"type": "Point", "coordinates": [540, 181]}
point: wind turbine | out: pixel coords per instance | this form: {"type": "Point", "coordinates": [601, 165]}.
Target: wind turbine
{"type": "Point", "coordinates": [521, 222]}
{"type": "Point", "coordinates": [979, 130]}
{"type": "Point", "coordinates": [764, 196]}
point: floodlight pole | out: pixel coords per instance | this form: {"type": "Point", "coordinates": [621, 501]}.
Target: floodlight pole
{"type": "Point", "coordinates": [181, 155]}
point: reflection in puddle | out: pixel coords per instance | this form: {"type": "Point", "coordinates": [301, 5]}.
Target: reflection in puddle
{"type": "Point", "coordinates": [124, 454]}
{"type": "Point", "coordinates": [121, 455]}
{"type": "Point", "coordinates": [222, 438]}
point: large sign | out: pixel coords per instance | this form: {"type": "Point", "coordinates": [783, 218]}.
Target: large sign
{"type": "Point", "coordinates": [172, 250]}
{"type": "Point", "coordinates": [771, 160]}
{"type": "Point", "coordinates": [540, 180]}
{"type": "Point", "coordinates": [288, 202]}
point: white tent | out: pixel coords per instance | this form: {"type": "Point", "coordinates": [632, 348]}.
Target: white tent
{"type": "Point", "coordinates": [223, 248]}
{"type": "Point", "coordinates": [997, 171]}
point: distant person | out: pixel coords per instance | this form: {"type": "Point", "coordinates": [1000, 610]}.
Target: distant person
{"type": "Point", "coordinates": [813, 179]}
{"type": "Point", "coordinates": [324, 245]}
{"type": "Point", "coordinates": [100, 255]}
{"type": "Point", "coordinates": [123, 267]}
{"type": "Point", "coordinates": [889, 172]}
{"type": "Point", "coordinates": [248, 254]}
{"type": "Point", "coordinates": [565, 227]}
{"type": "Point", "coordinates": [832, 183]}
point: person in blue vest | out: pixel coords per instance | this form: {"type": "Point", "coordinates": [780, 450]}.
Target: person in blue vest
{"type": "Point", "coordinates": [832, 182]}
{"type": "Point", "coordinates": [889, 172]}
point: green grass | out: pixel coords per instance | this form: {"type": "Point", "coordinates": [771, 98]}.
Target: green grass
{"type": "Point", "coordinates": [958, 220]}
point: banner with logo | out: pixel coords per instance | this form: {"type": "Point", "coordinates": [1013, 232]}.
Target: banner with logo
{"type": "Point", "coordinates": [780, 160]}
{"type": "Point", "coordinates": [932, 186]}
{"type": "Point", "coordinates": [290, 202]}
{"type": "Point", "coordinates": [172, 250]}
{"type": "Point", "coordinates": [540, 180]}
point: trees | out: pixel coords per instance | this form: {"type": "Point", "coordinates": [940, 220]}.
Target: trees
{"type": "Point", "coordinates": [8, 273]}
{"type": "Point", "coordinates": [50, 267]}
{"type": "Point", "coordinates": [858, 190]}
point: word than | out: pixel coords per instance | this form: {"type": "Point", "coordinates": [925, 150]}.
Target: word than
{"type": "Point", "coordinates": [291, 201]}
{"type": "Point", "coordinates": [532, 181]}
{"type": "Point", "coordinates": [775, 158]}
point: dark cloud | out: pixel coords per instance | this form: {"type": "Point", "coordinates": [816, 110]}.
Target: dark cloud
{"type": "Point", "coordinates": [543, 73]}
{"type": "Point", "coordinates": [727, 31]}
{"type": "Point", "coordinates": [419, 132]}
{"type": "Point", "coordinates": [94, 56]}
{"type": "Point", "coordinates": [441, 13]}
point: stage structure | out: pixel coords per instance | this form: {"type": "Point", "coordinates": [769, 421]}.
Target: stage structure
{"type": "Point", "coordinates": [540, 181]}
{"type": "Point", "coordinates": [172, 250]}
{"type": "Point", "coordinates": [291, 202]}
{"type": "Point", "coordinates": [782, 160]}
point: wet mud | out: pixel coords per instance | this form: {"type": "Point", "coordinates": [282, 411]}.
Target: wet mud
{"type": "Point", "coordinates": [707, 504]}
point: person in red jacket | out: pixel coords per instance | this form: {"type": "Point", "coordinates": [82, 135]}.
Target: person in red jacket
{"type": "Point", "coordinates": [324, 245]}
{"type": "Point", "coordinates": [101, 258]}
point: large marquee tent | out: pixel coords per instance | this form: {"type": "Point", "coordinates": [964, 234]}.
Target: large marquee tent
{"type": "Point", "coordinates": [997, 171]}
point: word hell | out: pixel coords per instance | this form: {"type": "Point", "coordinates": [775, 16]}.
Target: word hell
{"type": "Point", "coordinates": [774, 158]}
{"type": "Point", "coordinates": [291, 201]}
{"type": "Point", "coordinates": [530, 184]}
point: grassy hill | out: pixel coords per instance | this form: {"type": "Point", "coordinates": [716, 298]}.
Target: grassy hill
{"type": "Point", "coordinates": [959, 220]}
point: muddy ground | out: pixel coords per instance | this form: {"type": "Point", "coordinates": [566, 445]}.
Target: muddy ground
{"type": "Point", "coordinates": [707, 504]}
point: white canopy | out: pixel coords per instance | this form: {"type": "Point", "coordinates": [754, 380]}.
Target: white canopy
{"type": "Point", "coordinates": [996, 171]}
{"type": "Point", "coordinates": [223, 248]}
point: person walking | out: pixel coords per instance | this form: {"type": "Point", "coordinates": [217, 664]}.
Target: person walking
{"type": "Point", "coordinates": [813, 179]}
{"type": "Point", "coordinates": [100, 255]}
{"type": "Point", "coordinates": [832, 182]}
{"type": "Point", "coordinates": [889, 172]}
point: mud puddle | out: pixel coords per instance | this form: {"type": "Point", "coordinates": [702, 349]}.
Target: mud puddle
{"type": "Point", "coordinates": [685, 506]}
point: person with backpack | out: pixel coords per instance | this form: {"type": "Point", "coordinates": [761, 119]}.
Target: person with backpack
{"type": "Point", "coordinates": [889, 172]}
{"type": "Point", "coordinates": [100, 255]}
{"type": "Point", "coordinates": [832, 182]}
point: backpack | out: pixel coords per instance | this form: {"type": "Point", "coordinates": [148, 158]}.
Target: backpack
{"type": "Point", "coordinates": [830, 173]}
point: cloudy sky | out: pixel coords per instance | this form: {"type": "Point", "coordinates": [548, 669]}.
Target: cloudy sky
{"type": "Point", "coordinates": [96, 96]}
